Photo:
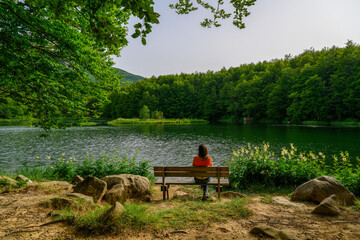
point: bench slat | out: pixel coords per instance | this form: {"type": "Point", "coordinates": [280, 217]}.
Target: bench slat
{"type": "Point", "coordinates": [191, 174]}
{"type": "Point", "coordinates": [191, 182]}
{"type": "Point", "coordinates": [190, 168]}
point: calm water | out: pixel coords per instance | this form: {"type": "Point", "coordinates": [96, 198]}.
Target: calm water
{"type": "Point", "coordinates": [166, 145]}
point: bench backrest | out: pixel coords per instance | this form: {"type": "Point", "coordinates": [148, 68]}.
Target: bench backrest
{"type": "Point", "coordinates": [162, 171]}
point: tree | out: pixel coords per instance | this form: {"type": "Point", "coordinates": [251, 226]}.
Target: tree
{"type": "Point", "coordinates": [144, 113]}
{"type": "Point", "coordinates": [217, 10]}
{"type": "Point", "coordinates": [56, 54]}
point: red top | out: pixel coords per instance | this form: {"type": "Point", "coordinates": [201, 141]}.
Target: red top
{"type": "Point", "coordinates": [202, 162]}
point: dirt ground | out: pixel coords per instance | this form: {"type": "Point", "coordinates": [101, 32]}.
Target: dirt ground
{"type": "Point", "coordinates": [23, 217]}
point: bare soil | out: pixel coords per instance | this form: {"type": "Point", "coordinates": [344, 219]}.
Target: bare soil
{"type": "Point", "coordinates": [22, 216]}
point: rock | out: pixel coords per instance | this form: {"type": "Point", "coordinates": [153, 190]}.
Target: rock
{"type": "Point", "coordinates": [70, 199]}
{"type": "Point", "coordinates": [77, 179]}
{"type": "Point", "coordinates": [183, 195]}
{"type": "Point", "coordinates": [134, 185]}
{"type": "Point", "coordinates": [282, 200]}
{"type": "Point", "coordinates": [231, 194]}
{"type": "Point", "coordinates": [92, 186]}
{"type": "Point", "coordinates": [114, 212]}
{"type": "Point", "coordinates": [79, 197]}
{"type": "Point", "coordinates": [23, 178]}
{"type": "Point", "coordinates": [271, 232]}
{"type": "Point", "coordinates": [62, 202]}
{"type": "Point", "coordinates": [11, 181]}
{"type": "Point", "coordinates": [318, 189]}
{"type": "Point", "coordinates": [60, 184]}
{"type": "Point", "coordinates": [116, 194]}
{"type": "Point", "coordinates": [328, 207]}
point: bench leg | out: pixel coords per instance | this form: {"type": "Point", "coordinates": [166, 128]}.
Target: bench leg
{"type": "Point", "coordinates": [164, 189]}
{"type": "Point", "coordinates": [167, 191]}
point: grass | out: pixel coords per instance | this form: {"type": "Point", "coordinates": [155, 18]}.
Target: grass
{"type": "Point", "coordinates": [345, 123]}
{"type": "Point", "coordinates": [150, 216]}
{"type": "Point", "coordinates": [190, 213]}
{"type": "Point", "coordinates": [122, 121]}
{"type": "Point", "coordinates": [319, 123]}
{"type": "Point", "coordinates": [6, 185]}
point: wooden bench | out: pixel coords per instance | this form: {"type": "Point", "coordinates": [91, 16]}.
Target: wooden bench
{"type": "Point", "coordinates": [214, 172]}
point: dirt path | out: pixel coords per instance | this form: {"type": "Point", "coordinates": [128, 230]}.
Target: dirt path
{"type": "Point", "coordinates": [22, 216]}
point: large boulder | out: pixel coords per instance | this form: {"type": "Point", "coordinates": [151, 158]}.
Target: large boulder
{"type": "Point", "coordinates": [318, 189]}
{"type": "Point", "coordinates": [116, 194]}
{"type": "Point", "coordinates": [328, 207]}
{"type": "Point", "coordinates": [113, 213]}
{"type": "Point", "coordinates": [92, 186]}
{"type": "Point", "coordinates": [62, 202]}
{"type": "Point", "coordinates": [71, 199]}
{"type": "Point", "coordinates": [135, 186]}
{"type": "Point", "coordinates": [270, 232]}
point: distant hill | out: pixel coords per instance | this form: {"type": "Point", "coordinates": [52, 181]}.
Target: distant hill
{"type": "Point", "coordinates": [129, 77]}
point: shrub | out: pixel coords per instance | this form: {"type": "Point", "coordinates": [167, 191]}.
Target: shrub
{"type": "Point", "coordinates": [253, 165]}
{"type": "Point", "coordinates": [103, 165]}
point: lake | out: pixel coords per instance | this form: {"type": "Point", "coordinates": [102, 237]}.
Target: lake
{"type": "Point", "coordinates": [166, 144]}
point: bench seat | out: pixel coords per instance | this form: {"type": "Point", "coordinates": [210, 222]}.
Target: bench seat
{"type": "Point", "coordinates": [224, 182]}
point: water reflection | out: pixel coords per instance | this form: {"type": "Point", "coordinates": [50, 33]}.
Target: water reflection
{"type": "Point", "coordinates": [166, 144]}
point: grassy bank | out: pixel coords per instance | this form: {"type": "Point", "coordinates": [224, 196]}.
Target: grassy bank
{"type": "Point", "coordinates": [253, 169]}
{"type": "Point", "coordinates": [335, 123]}
{"type": "Point", "coordinates": [14, 122]}
{"type": "Point", "coordinates": [122, 121]}
{"type": "Point", "coordinates": [100, 166]}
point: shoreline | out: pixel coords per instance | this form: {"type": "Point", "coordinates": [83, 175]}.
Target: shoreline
{"type": "Point", "coordinates": [186, 121]}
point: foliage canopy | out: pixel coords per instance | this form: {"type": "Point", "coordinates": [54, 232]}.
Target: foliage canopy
{"type": "Point", "coordinates": [316, 85]}
{"type": "Point", "coordinates": [55, 56]}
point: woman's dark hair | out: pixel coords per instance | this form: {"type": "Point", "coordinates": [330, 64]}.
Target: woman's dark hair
{"type": "Point", "coordinates": [203, 151]}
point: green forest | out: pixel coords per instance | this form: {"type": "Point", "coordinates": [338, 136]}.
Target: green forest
{"type": "Point", "coordinates": [316, 85]}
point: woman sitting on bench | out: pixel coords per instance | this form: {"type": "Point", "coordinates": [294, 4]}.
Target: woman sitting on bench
{"type": "Point", "coordinates": [202, 160]}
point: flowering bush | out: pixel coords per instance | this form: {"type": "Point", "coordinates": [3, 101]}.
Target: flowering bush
{"type": "Point", "coordinates": [258, 165]}
{"type": "Point", "coordinates": [103, 165]}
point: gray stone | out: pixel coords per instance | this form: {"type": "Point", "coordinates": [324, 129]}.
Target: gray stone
{"type": "Point", "coordinates": [134, 185]}
{"type": "Point", "coordinates": [116, 194]}
{"type": "Point", "coordinates": [231, 194]}
{"type": "Point", "coordinates": [271, 232]}
{"type": "Point", "coordinates": [114, 212]}
{"type": "Point", "coordinates": [77, 179]}
{"type": "Point", "coordinates": [92, 186]}
{"type": "Point", "coordinates": [11, 181]}
{"type": "Point", "coordinates": [23, 178]}
{"type": "Point", "coordinates": [53, 184]}
{"type": "Point", "coordinates": [318, 189]}
{"type": "Point", "coordinates": [328, 207]}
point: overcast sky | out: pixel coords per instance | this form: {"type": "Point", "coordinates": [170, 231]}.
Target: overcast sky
{"type": "Point", "coordinates": [275, 28]}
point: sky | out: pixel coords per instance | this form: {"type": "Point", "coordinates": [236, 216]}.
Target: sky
{"type": "Point", "coordinates": [275, 28]}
